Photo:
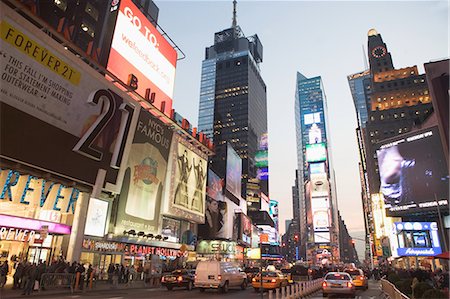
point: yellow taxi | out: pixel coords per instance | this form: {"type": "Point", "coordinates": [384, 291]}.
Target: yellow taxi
{"type": "Point", "coordinates": [270, 280]}
{"type": "Point", "coordinates": [359, 279]}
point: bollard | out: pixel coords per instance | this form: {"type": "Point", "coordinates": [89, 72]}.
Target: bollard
{"type": "Point", "coordinates": [283, 292]}
{"type": "Point", "coordinates": [270, 294]}
{"type": "Point", "coordinates": [297, 290]}
{"type": "Point", "coordinates": [292, 291]}
{"type": "Point", "coordinates": [277, 293]}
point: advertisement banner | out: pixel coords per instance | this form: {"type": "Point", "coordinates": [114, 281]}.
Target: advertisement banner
{"type": "Point", "coordinates": [215, 186]}
{"type": "Point", "coordinates": [77, 119]}
{"type": "Point", "coordinates": [322, 237]}
{"type": "Point", "coordinates": [96, 217]}
{"type": "Point", "coordinates": [186, 198]}
{"type": "Point", "coordinates": [138, 48]}
{"type": "Point", "coordinates": [417, 238]}
{"type": "Point", "coordinates": [216, 247]}
{"type": "Point", "coordinates": [215, 218]}
{"type": "Point", "coordinates": [234, 172]}
{"type": "Point", "coordinates": [171, 229]}
{"type": "Point", "coordinates": [143, 183]}
{"type": "Point", "coordinates": [319, 185]}
{"type": "Point", "coordinates": [316, 152]}
{"type": "Point", "coordinates": [413, 173]}
{"type": "Point", "coordinates": [242, 229]}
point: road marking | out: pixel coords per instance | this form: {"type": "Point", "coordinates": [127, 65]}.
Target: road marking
{"type": "Point", "coordinates": [115, 298]}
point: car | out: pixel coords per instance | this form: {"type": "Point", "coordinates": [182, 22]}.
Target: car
{"type": "Point", "coordinates": [251, 272]}
{"type": "Point", "coordinates": [339, 283]}
{"type": "Point", "coordinates": [270, 280]}
{"type": "Point", "coordinates": [359, 278]}
{"type": "Point", "coordinates": [179, 278]}
{"type": "Point", "coordinates": [219, 275]}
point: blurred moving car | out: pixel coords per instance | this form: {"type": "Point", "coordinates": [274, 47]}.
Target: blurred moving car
{"type": "Point", "coordinates": [338, 283]}
{"type": "Point", "coordinates": [179, 278]}
{"type": "Point", "coordinates": [219, 275]}
{"type": "Point", "coordinates": [270, 280]}
{"type": "Point", "coordinates": [359, 278]}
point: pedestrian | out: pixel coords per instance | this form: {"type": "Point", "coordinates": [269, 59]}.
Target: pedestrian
{"type": "Point", "coordinates": [4, 269]}
{"type": "Point", "coordinates": [110, 272]}
{"type": "Point", "coordinates": [80, 270]}
{"type": "Point", "coordinates": [115, 276]}
{"type": "Point", "coordinates": [18, 275]}
{"type": "Point", "coordinates": [132, 275]}
{"type": "Point", "coordinates": [31, 274]}
{"type": "Point", "coordinates": [89, 273]}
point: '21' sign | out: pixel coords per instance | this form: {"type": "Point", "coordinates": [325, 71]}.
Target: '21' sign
{"type": "Point", "coordinates": [110, 127]}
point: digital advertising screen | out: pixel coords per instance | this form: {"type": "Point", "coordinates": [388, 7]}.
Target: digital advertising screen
{"type": "Point", "coordinates": [242, 229]}
{"type": "Point", "coordinates": [261, 159]}
{"type": "Point", "coordinates": [322, 237]}
{"type": "Point", "coordinates": [319, 185]}
{"type": "Point", "coordinates": [317, 168]}
{"type": "Point", "coordinates": [96, 217]}
{"type": "Point", "coordinates": [416, 239]}
{"type": "Point", "coordinates": [234, 172]}
{"type": "Point", "coordinates": [316, 152]}
{"type": "Point", "coordinates": [138, 48]}
{"type": "Point", "coordinates": [215, 186]}
{"type": "Point", "coordinates": [312, 118]}
{"type": "Point", "coordinates": [413, 173]}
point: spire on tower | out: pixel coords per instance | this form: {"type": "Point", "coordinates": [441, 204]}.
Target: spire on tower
{"type": "Point", "coordinates": [234, 24]}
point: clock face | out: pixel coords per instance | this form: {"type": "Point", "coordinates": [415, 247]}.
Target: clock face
{"type": "Point", "coordinates": [378, 52]}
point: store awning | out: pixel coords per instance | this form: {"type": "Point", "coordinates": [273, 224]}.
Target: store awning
{"type": "Point", "coordinates": [444, 255]}
{"type": "Point", "coordinates": [34, 224]}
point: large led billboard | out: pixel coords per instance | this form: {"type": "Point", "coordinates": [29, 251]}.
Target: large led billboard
{"type": "Point", "coordinates": [215, 186]}
{"type": "Point", "coordinates": [417, 239]}
{"type": "Point", "coordinates": [96, 217]}
{"type": "Point", "coordinates": [138, 48]}
{"type": "Point", "coordinates": [319, 185]}
{"type": "Point", "coordinates": [316, 152]}
{"type": "Point", "coordinates": [242, 229]}
{"type": "Point", "coordinates": [320, 208]}
{"type": "Point", "coordinates": [322, 237]}
{"type": "Point", "coordinates": [234, 172]}
{"type": "Point", "coordinates": [413, 173]}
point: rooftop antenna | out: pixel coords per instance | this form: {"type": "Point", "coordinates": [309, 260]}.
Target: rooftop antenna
{"type": "Point", "coordinates": [366, 65]}
{"type": "Point", "coordinates": [234, 24]}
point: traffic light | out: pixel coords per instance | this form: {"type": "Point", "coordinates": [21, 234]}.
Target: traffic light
{"type": "Point", "coordinates": [296, 237]}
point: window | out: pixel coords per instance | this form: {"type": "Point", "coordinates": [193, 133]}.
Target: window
{"type": "Point", "coordinates": [92, 11]}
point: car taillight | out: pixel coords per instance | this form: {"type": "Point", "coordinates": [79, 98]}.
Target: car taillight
{"type": "Point", "coordinates": [180, 278]}
{"type": "Point", "coordinates": [349, 285]}
{"type": "Point", "coordinates": [273, 280]}
{"type": "Point", "coordinates": [219, 277]}
{"type": "Point", "coordinates": [361, 277]}
{"type": "Point", "coordinates": [324, 284]}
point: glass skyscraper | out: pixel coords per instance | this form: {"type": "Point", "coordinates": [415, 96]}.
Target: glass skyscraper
{"type": "Point", "coordinates": [233, 102]}
{"type": "Point", "coordinates": [317, 192]}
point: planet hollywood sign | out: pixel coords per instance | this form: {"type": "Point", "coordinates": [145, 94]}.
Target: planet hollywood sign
{"type": "Point", "coordinates": [129, 249]}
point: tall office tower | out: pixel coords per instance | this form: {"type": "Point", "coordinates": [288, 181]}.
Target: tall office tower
{"type": "Point", "coordinates": [347, 248]}
{"type": "Point", "coordinates": [319, 224]}
{"type": "Point", "coordinates": [388, 102]}
{"type": "Point", "coordinates": [399, 100]}
{"type": "Point", "coordinates": [233, 104]}
{"type": "Point", "coordinates": [296, 200]}
{"type": "Point", "coordinates": [359, 84]}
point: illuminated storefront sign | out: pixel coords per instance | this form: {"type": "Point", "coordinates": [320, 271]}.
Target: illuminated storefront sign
{"type": "Point", "coordinates": [15, 234]}
{"type": "Point", "coordinates": [33, 224]}
{"type": "Point", "coordinates": [213, 247]}
{"type": "Point", "coordinates": [417, 238]}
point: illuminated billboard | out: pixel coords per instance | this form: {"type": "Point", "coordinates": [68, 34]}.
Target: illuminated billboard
{"type": "Point", "coordinates": [96, 217]}
{"type": "Point", "coordinates": [312, 118]}
{"type": "Point", "coordinates": [215, 186]}
{"type": "Point", "coordinates": [413, 173]}
{"type": "Point", "coordinates": [216, 215]}
{"type": "Point", "coordinates": [138, 48]}
{"type": "Point", "coordinates": [322, 237]}
{"type": "Point", "coordinates": [316, 152]}
{"type": "Point", "coordinates": [234, 172]}
{"type": "Point", "coordinates": [417, 238]}
{"type": "Point", "coordinates": [262, 173]}
{"type": "Point", "coordinates": [317, 168]}
{"type": "Point", "coordinates": [320, 208]}
{"type": "Point", "coordinates": [271, 233]}
{"type": "Point", "coordinates": [319, 185]}
{"type": "Point", "coordinates": [314, 134]}
{"type": "Point", "coordinates": [261, 159]}
{"type": "Point", "coordinates": [242, 229]}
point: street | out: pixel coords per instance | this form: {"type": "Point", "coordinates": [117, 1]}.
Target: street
{"type": "Point", "coordinates": [373, 292]}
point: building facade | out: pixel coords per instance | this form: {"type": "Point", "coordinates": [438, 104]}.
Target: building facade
{"type": "Point", "coordinates": [318, 219]}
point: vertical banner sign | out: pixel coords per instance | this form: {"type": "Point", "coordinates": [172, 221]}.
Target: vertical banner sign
{"type": "Point", "coordinates": [138, 48]}
{"type": "Point", "coordinates": [141, 194]}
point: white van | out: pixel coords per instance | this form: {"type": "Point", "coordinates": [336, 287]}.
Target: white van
{"type": "Point", "coordinates": [219, 275]}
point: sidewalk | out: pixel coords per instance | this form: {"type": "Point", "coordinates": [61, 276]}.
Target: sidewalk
{"type": "Point", "coordinates": [8, 293]}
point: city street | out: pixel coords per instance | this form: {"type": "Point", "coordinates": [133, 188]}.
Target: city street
{"type": "Point", "coordinates": [249, 293]}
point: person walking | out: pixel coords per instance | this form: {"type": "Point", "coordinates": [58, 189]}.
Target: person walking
{"type": "Point", "coordinates": [110, 272]}
{"type": "Point", "coordinates": [89, 273]}
{"type": "Point", "coordinates": [31, 275]}
{"type": "Point", "coordinates": [18, 274]}
{"type": "Point", "coordinates": [4, 269]}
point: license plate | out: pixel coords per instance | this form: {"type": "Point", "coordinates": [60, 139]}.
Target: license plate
{"type": "Point", "coordinates": [210, 276]}
{"type": "Point", "coordinates": [334, 285]}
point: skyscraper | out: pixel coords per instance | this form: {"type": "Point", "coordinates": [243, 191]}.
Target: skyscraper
{"type": "Point", "coordinates": [317, 193]}
{"type": "Point", "coordinates": [233, 104]}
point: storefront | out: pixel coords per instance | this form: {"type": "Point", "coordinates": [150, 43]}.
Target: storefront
{"type": "Point", "coordinates": [36, 216]}
{"type": "Point", "coordinates": [220, 250]}
{"type": "Point", "coordinates": [153, 259]}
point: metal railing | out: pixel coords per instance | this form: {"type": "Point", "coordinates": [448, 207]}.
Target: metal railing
{"type": "Point", "coordinates": [391, 291]}
{"type": "Point", "coordinates": [296, 290]}
{"type": "Point", "coordinates": [57, 280]}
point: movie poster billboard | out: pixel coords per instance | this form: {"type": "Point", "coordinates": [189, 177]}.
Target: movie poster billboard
{"type": "Point", "coordinates": [77, 122]}
{"type": "Point", "coordinates": [145, 176]}
{"type": "Point", "coordinates": [138, 48]}
{"type": "Point", "coordinates": [413, 173]}
{"type": "Point", "coordinates": [186, 197]}
{"type": "Point", "coordinates": [234, 172]}
{"type": "Point", "coordinates": [319, 185]}
{"type": "Point", "coordinates": [215, 186]}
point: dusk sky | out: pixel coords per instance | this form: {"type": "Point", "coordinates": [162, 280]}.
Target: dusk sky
{"type": "Point", "coordinates": [316, 38]}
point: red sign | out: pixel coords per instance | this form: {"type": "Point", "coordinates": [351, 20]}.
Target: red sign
{"type": "Point", "coordinates": [263, 238]}
{"type": "Point", "coordinates": [139, 49]}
